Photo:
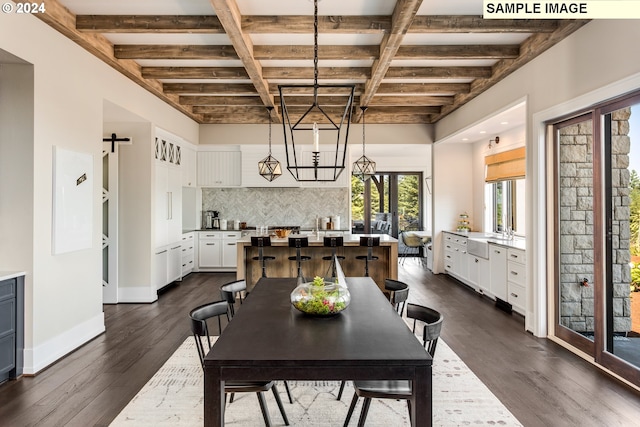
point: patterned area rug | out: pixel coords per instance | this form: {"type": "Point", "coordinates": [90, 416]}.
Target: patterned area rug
{"type": "Point", "coordinates": [174, 397]}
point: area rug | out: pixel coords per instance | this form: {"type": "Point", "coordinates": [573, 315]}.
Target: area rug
{"type": "Point", "coordinates": [174, 397]}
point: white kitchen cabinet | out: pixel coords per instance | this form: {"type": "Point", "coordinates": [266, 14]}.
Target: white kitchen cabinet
{"type": "Point", "coordinates": [498, 267]}
{"type": "Point", "coordinates": [188, 253]}
{"type": "Point", "coordinates": [479, 271]}
{"type": "Point", "coordinates": [516, 283]}
{"type": "Point", "coordinates": [219, 168]}
{"type": "Point", "coordinates": [209, 250]}
{"type": "Point", "coordinates": [160, 267]}
{"type": "Point", "coordinates": [174, 263]}
{"type": "Point", "coordinates": [456, 257]}
{"type": "Point", "coordinates": [252, 154]}
{"type": "Point", "coordinates": [161, 204]}
{"type": "Point", "coordinates": [230, 249]}
{"type": "Point", "coordinates": [188, 167]}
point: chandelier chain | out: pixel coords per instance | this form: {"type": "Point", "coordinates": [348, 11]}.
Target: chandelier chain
{"type": "Point", "coordinates": [269, 108]}
{"type": "Point", "coordinates": [315, 43]}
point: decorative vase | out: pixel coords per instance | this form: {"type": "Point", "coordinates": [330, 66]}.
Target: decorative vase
{"type": "Point", "coordinates": [326, 299]}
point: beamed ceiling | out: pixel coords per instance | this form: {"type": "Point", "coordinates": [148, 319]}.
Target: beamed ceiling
{"type": "Point", "coordinates": [221, 61]}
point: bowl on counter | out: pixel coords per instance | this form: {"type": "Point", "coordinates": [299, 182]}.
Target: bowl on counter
{"type": "Point", "coordinates": [282, 232]}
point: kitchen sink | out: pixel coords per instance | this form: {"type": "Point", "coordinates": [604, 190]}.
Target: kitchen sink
{"type": "Point", "coordinates": [478, 247]}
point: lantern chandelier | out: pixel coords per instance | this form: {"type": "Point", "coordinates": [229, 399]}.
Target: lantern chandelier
{"type": "Point", "coordinates": [329, 114]}
{"type": "Point", "coordinates": [269, 168]}
{"type": "Point", "coordinates": [364, 167]}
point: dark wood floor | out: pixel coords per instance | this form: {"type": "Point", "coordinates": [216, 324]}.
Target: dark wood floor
{"type": "Point", "coordinates": [539, 382]}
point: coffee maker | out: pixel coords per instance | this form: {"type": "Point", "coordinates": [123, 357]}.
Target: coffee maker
{"type": "Point", "coordinates": [210, 220]}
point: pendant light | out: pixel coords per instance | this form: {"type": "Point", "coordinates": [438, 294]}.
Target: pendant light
{"type": "Point", "coordinates": [364, 167]}
{"type": "Point", "coordinates": [269, 168]}
{"type": "Point", "coordinates": [323, 117]}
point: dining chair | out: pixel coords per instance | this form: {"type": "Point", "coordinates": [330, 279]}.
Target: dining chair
{"type": "Point", "coordinates": [410, 241]}
{"type": "Point", "coordinates": [200, 331]}
{"type": "Point", "coordinates": [398, 389]}
{"type": "Point", "coordinates": [232, 291]}
{"type": "Point", "coordinates": [399, 292]}
{"type": "Point", "coordinates": [261, 242]}
{"type": "Point", "coordinates": [228, 293]}
{"type": "Point", "coordinates": [370, 242]}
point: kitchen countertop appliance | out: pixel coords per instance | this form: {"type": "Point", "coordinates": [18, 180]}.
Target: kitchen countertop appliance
{"type": "Point", "coordinates": [211, 220]}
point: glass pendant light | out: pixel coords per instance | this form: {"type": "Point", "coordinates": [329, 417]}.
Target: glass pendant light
{"type": "Point", "coordinates": [269, 168]}
{"type": "Point", "coordinates": [364, 167]}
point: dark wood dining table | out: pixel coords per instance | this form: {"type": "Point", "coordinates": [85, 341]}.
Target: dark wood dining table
{"type": "Point", "coordinates": [269, 339]}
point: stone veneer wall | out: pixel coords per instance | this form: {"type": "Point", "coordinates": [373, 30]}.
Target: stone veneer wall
{"type": "Point", "coordinates": [576, 224]}
{"type": "Point", "coordinates": [279, 206]}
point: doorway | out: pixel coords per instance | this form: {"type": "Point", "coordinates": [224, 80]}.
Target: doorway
{"type": "Point", "coordinates": [387, 203]}
{"type": "Point", "coordinates": [597, 241]}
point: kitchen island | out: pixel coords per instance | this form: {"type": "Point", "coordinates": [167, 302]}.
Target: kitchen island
{"type": "Point", "coordinates": [385, 267]}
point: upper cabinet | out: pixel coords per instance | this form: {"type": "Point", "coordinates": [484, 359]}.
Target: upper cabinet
{"type": "Point", "coordinates": [219, 168]}
{"type": "Point", "coordinates": [188, 167]}
{"type": "Point", "coordinates": [252, 154]}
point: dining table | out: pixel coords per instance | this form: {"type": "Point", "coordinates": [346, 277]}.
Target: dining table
{"type": "Point", "coordinates": [269, 339]}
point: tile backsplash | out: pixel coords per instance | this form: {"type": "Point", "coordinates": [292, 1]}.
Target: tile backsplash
{"type": "Point", "coordinates": [278, 206]}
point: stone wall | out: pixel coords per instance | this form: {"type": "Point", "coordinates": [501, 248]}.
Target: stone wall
{"type": "Point", "coordinates": [576, 224]}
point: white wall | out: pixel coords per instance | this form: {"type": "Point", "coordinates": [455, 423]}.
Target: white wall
{"type": "Point", "coordinates": [70, 86]}
{"type": "Point", "coordinates": [600, 55]}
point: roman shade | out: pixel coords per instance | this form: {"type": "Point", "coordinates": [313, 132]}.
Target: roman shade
{"type": "Point", "coordinates": [506, 165]}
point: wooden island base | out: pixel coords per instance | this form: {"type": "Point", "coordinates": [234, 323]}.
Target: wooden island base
{"type": "Point", "coordinates": [386, 267]}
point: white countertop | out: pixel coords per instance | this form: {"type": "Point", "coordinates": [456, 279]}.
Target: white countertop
{"type": "Point", "coordinates": [493, 238]}
{"type": "Point", "coordinates": [313, 238]}
{"type": "Point", "coordinates": [6, 275]}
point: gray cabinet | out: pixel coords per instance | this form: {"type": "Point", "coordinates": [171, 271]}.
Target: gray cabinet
{"type": "Point", "coordinates": [11, 327]}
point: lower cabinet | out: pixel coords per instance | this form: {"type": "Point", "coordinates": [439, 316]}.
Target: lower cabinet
{"type": "Point", "coordinates": [217, 250]}
{"type": "Point", "coordinates": [188, 253]}
{"type": "Point", "coordinates": [516, 284]}
{"type": "Point", "coordinates": [11, 327]}
{"type": "Point", "coordinates": [479, 270]}
{"type": "Point", "coordinates": [498, 268]}
{"type": "Point", "coordinates": [167, 265]}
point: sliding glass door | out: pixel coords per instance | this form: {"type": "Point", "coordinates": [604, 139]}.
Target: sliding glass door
{"type": "Point", "coordinates": [597, 239]}
{"type": "Point", "coordinates": [388, 203]}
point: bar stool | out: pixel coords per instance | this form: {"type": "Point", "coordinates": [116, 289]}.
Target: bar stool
{"type": "Point", "coordinates": [333, 242]}
{"type": "Point", "coordinates": [369, 242]}
{"type": "Point", "coordinates": [260, 242]}
{"type": "Point", "coordinates": [299, 242]}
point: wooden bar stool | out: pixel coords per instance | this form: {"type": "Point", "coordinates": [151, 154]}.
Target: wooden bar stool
{"type": "Point", "coordinates": [299, 242]}
{"type": "Point", "coordinates": [333, 242]}
{"type": "Point", "coordinates": [260, 242]}
{"type": "Point", "coordinates": [369, 242]}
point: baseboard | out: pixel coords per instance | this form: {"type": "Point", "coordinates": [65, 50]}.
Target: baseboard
{"type": "Point", "coordinates": [139, 294]}
{"type": "Point", "coordinates": [38, 358]}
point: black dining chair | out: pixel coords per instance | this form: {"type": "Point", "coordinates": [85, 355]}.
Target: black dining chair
{"type": "Point", "coordinates": [398, 389]}
{"type": "Point", "coordinates": [398, 294]}
{"type": "Point", "coordinates": [261, 242]}
{"type": "Point", "coordinates": [370, 242]}
{"type": "Point", "coordinates": [200, 331]}
{"type": "Point", "coordinates": [230, 292]}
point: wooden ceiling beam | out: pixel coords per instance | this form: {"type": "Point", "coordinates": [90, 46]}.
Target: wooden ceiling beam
{"type": "Point", "coordinates": [437, 72]}
{"type": "Point", "coordinates": [403, 14]}
{"type": "Point", "coordinates": [59, 18]}
{"type": "Point", "coordinates": [172, 24]}
{"type": "Point", "coordinates": [531, 48]}
{"type": "Point", "coordinates": [231, 19]}
{"type": "Point", "coordinates": [425, 101]}
{"type": "Point", "coordinates": [322, 100]}
{"type": "Point", "coordinates": [357, 73]}
{"type": "Point", "coordinates": [423, 88]}
{"type": "Point", "coordinates": [153, 51]}
{"type": "Point", "coordinates": [477, 24]}
{"type": "Point", "coordinates": [221, 100]}
{"type": "Point", "coordinates": [483, 51]}
{"type": "Point", "coordinates": [195, 73]}
{"type": "Point", "coordinates": [231, 109]}
{"type": "Point", "coordinates": [257, 118]}
{"type": "Point", "coordinates": [300, 52]}
{"type": "Point", "coordinates": [210, 88]}
{"type": "Point", "coordinates": [308, 90]}
{"type": "Point", "coordinates": [303, 24]}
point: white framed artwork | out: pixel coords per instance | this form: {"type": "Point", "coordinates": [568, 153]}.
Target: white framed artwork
{"type": "Point", "coordinates": [72, 201]}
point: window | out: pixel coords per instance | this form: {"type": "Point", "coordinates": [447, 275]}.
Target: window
{"type": "Point", "coordinates": [505, 206]}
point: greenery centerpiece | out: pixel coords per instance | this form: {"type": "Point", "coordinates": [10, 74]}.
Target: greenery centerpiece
{"type": "Point", "coordinates": [320, 297]}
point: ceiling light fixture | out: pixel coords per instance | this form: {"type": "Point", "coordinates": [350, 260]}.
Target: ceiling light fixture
{"type": "Point", "coordinates": [269, 168]}
{"type": "Point", "coordinates": [364, 167]}
{"type": "Point", "coordinates": [329, 119]}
